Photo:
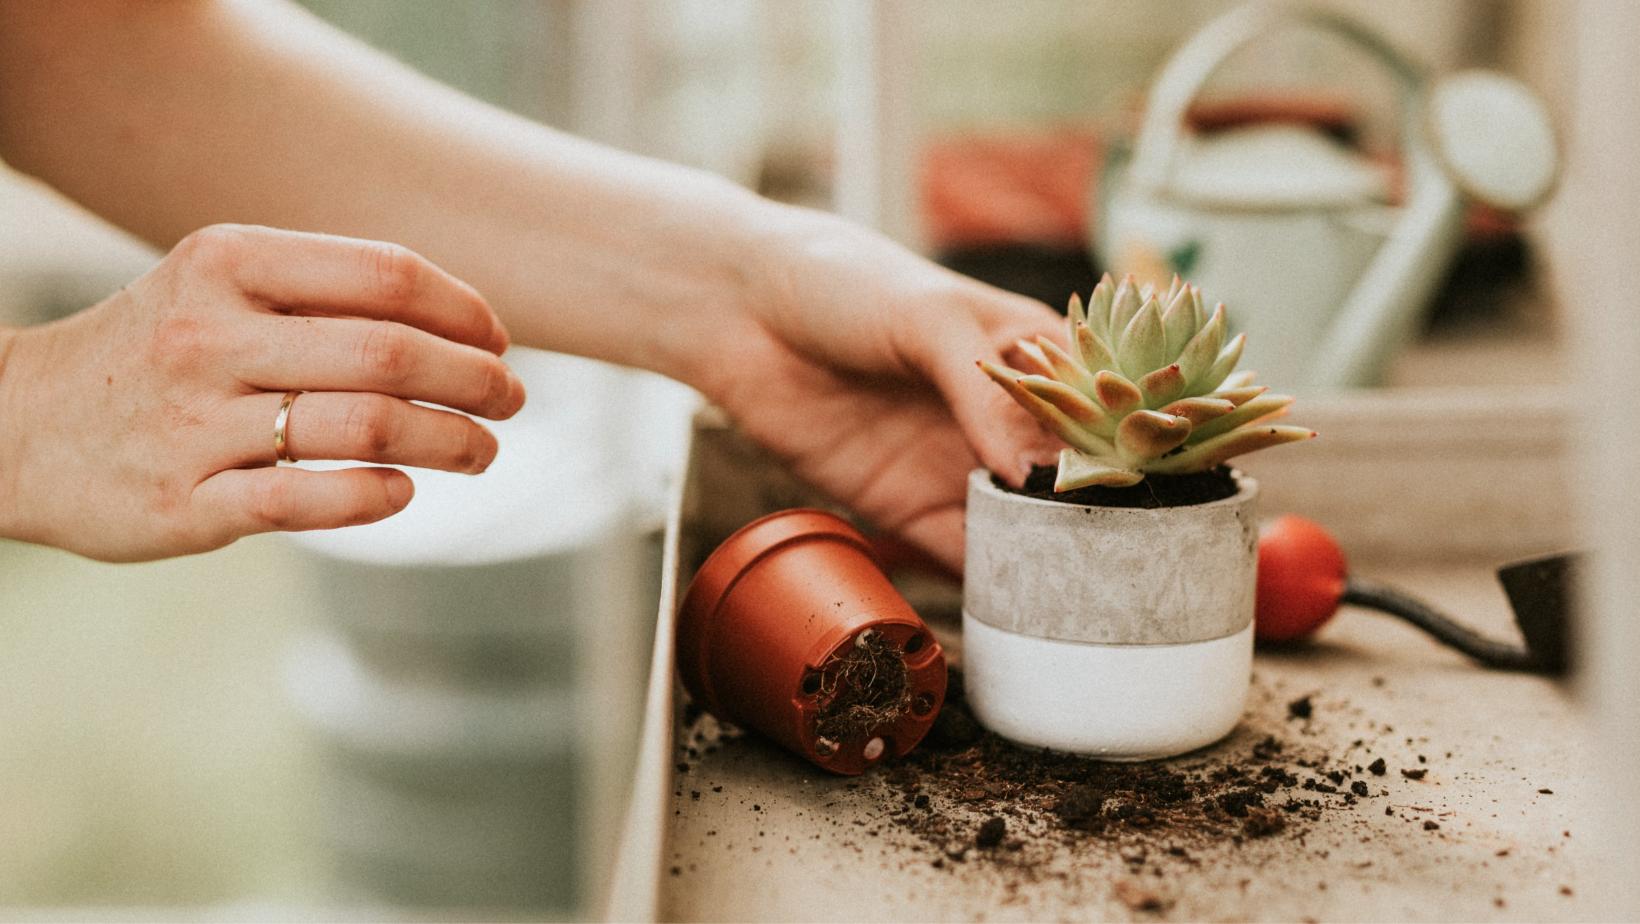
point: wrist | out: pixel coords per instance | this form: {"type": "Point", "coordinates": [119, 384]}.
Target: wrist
{"type": "Point", "coordinates": [693, 340]}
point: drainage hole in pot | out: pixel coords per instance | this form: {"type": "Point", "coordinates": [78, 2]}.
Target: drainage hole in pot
{"type": "Point", "coordinates": [811, 683]}
{"type": "Point", "coordinates": [873, 749]}
{"type": "Point", "coordinates": [923, 704]}
{"type": "Point", "coordinates": [914, 644]}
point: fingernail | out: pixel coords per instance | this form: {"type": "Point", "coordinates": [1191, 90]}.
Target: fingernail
{"type": "Point", "coordinates": [517, 396]}
{"type": "Point", "coordinates": [400, 489]}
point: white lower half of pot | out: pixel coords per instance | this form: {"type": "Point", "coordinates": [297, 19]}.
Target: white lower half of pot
{"type": "Point", "coordinates": [1114, 702]}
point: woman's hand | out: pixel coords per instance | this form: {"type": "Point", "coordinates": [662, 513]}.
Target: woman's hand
{"type": "Point", "coordinates": [143, 427]}
{"type": "Point", "coordinates": [854, 360]}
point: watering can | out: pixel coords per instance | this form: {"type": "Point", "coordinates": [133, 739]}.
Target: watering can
{"type": "Point", "coordinates": [1296, 233]}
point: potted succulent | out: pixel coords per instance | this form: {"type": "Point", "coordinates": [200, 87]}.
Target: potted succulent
{"type": "Point", "coordinates": [1107, 609]}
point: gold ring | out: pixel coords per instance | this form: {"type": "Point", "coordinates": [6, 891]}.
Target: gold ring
{"type": "Point", "coordinates": [279, 424]}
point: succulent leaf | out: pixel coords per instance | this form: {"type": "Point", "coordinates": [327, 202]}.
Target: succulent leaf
{"type": "Point", "coordinates": [1065, 369]}
{"type": "Point", "coordinates": [1080, 470]}
{"type": "Point", "coordinates": [1124, 305]}
{"type": "Point", "coordinates": [1173, 289]}
{"type": "Point", "coordinates": [1148, 385]}
{"type": "Point", "coordinates": [1119, 396]}
{"type": "Point", "coordinates": [1199, 410]}
{"type": "Point", "coordinates": [1210, 453]}
{"type": "Point", "coordinates": [1249, 412]}
{"type": "Point", "coordinates": [1178, 321]}
{"type": "Point", "coordinates": [1036, 362]}
{"type": "Point", "coordinates": [1144, 344]}
{"type": "Point", "coordinates": [1146, 435]}
{"type": "Point", "coordinates": [1099, 307]}
{"type": "Point", "coordinates": [1096, 353]}
{"type": "Point", "coordinates": [1198, 308]}
{"type": "Point", "coordinates": [1163, 385]}
{"type": "Point", "coordinates": [1240, 396]}
{"type": "Point", "coordinates": [1199, 354]}
{"type": "Point", "coordinates": [1046, 414]}
{"type": "Point", "coordinates": [1068, 401]}
{"type": "Point", "coordinates": [1220, 370]}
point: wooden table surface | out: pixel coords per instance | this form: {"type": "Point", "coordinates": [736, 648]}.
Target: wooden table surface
{"type": "Point", "coordinates": [771, 838]}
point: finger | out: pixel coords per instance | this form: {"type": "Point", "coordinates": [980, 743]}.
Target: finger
{"type": "Point", "coordinates": [1006, 439]}
{"type": "Point", "coordinates": [359, 427]}
{"type": "Point", "coordinates": [243, 501]}
{"type": "Point", "coordinates": [346, 354]}
{"type": "Point", "coordinates": [326, 274]}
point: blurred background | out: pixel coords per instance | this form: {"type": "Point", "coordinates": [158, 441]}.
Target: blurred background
{"type": "Point", "coordinates": [440, 711]}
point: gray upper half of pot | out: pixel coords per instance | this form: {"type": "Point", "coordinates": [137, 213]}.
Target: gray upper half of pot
{"type": "Point", "coordinates": [1110, 575]}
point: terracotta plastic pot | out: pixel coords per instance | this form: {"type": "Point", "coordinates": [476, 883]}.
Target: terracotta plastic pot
{"type": "Point", "coordinates": [772, 622]}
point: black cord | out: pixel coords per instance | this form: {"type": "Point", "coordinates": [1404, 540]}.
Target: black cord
{"type": "Point", "coordinates": [1490, 652]}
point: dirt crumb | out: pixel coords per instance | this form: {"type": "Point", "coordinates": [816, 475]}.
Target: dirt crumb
{"type": "Point", "coordinates": [1263, 822]}
{"type": "Point", "coordinates": [1139, 898]}
{"type": "Point", "coordinates": [991, 832]}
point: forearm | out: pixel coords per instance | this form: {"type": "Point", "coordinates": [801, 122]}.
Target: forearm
{"type": "Point", "coordinates": [165, 117]}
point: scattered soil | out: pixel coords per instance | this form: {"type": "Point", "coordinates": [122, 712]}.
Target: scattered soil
{"type": "Point", "coordinates": [965, 802]}
{"type": "Point", "coordinates": [865, 689]}
{"type": "Point", "coordinates": [1300, 708]}
{"type": "Point", "coordinates": [1178, 810]}
{"type": "Point", "coordinates": [1155, 491]}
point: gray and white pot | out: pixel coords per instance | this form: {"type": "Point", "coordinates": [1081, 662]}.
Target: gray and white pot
{"type": "Point", "coordinates": [1120, 633]}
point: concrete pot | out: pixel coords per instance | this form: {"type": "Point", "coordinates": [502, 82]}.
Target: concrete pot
{"type": "Point", "coordinates": [1124, 634]}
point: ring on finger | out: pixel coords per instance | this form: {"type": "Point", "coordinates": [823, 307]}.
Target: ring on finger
{"type": "Point", "coordinates": [280, 422]}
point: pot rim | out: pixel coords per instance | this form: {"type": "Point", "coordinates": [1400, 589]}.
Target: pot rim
{"type": "Point", "coordinates": [746, 545]}
{"type": "Point", "coordinates": [1246, 486]}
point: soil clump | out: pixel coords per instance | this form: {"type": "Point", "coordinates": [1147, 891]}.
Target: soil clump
{"type": "Point", "coordinates": [864, 689]}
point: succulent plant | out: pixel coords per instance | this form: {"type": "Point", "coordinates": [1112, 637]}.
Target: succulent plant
{"type": "Point", "coordinates": [1148, 386]}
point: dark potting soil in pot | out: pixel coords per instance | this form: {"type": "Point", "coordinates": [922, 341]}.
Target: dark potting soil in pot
{"type": "Point", "coordinates": [864, 689]}
{"type": "Point", "coordinates": [1155, 491]}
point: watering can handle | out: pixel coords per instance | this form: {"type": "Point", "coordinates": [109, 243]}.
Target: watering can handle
{"type": "Point", "coordinates": [1385, 299]}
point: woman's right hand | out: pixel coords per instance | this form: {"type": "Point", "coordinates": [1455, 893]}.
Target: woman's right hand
{"type": "Point", "coordinates": [143, 427]}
